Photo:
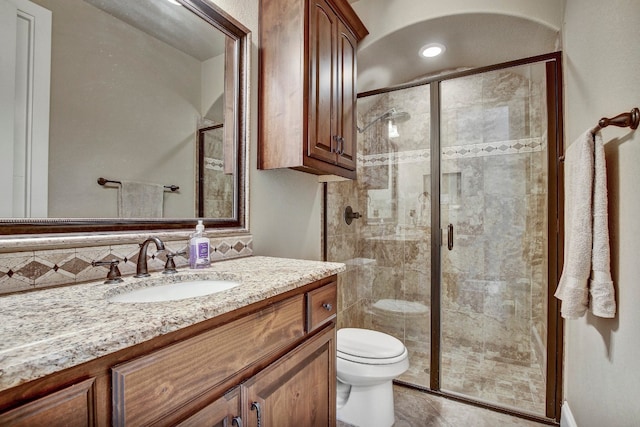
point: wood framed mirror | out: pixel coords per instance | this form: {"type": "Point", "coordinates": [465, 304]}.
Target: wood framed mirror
{"type": "Point", "coordinates": [131, 86]}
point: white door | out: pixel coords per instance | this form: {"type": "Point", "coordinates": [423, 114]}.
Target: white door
{"type": "Point", "coordinates": [25, 66]}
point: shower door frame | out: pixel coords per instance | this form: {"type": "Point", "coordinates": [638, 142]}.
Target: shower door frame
{"type": "Point", "coordinates": [555, 234]}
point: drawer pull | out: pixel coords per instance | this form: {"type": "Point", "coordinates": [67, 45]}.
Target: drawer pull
{"type": "Point", "coordinates": [236, 421]}
{"type": "Point", "coordinates": [256, 406]}
{"type": "Point", "coordinates": [327, 306]}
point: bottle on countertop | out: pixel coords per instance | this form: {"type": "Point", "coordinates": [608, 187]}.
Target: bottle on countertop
{"type": "Point", "coordinates": [199, 248]}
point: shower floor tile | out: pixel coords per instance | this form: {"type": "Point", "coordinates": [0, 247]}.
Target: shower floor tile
{"type": "Point", "coordinates": [464, 372]}
{"type": "Point", "coordinates": [414, 408]}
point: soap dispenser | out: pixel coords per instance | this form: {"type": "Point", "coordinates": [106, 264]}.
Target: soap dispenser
{"type": "Point", "coordinates": [199, 248]}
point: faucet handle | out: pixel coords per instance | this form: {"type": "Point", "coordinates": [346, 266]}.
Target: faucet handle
{"type": "Point", "coordinates": [114, 275]}
{"type": "Point", "coordinates": [170, 266]}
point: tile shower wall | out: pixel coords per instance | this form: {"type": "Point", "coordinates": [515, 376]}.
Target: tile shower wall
{"type": "Point", "coordinates": [493, 161]}
{"type": "Point", "coordinates": [29, 270]}
{"type": "Point", "coordinates": [218, 186]}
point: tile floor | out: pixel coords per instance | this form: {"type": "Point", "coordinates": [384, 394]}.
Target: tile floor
{"type": "Point", "coordinates": [471, 374]}
{"type": "Point", "coordinates": [417, 409]}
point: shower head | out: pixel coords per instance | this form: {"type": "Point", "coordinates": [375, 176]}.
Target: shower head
{"type": "Point", "coordinates": [399, 116]}
{"type": "Point", "coordinates": [392, 115]}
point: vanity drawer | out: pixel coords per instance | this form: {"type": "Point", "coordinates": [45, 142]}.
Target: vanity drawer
{"type": "Point", "coordinates": [321, 306]}
{"type": "Point", "coordinates": [150, 387]}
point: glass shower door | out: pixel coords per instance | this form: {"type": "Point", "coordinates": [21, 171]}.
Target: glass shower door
{"type": "Point", "coordinates": [387, 251]}
{"type": "Point", "coordinates": [493, 216]}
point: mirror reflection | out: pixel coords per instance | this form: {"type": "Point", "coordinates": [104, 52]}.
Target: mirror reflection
{"type": "Point", "coordinates": [132, 84]}
{"type": "Point", "coordinates": [214, 181]}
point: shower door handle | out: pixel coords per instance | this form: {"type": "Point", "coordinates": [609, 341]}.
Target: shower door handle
{"type": "Point", "coordinates": [450, 236]}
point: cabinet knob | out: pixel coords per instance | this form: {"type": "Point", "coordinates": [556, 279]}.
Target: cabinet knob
{"type": "Point", "coordinates": [327, 306]}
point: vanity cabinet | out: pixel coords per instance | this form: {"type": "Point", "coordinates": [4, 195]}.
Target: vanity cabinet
{"type": "Point", "coordinates": [307, 86]}
{"type": "Point", "coordinates": [276, 355]}
{"type": "Point", "coordinates": [71, 406]}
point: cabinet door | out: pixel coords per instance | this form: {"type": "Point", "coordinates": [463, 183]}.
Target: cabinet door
{"type": "Point", "coordinates": [73, 406]}
{"type": "Point", "coordinates": [322, 132]}
{"type": "Point", "coordinates": [346, 97]}
{"type": "Point", "coordinates": [224, 412]}
{"type": "Point", "coordinates": [298, 389]}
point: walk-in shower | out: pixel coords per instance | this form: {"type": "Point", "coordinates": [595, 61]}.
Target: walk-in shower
{"type": "Point", "coordinates": [452, 252]}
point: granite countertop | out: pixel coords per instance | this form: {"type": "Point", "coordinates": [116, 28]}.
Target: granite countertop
{"type": "Point", "coordinates": [50, 330]}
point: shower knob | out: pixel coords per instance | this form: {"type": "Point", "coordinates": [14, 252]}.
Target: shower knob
{"type": "Point", "coordinates": [350, 215]}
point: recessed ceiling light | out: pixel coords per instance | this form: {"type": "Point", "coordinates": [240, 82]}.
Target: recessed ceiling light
{"type": "Point", "coordinates": [174, 2]}
{"type": "Point", "coordinates": [432, 49]}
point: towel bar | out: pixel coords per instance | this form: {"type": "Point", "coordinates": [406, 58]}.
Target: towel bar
{"type": "Point", "coordinates": [103, 181]}
{"type": "Point", "coordinates": [622, 120]}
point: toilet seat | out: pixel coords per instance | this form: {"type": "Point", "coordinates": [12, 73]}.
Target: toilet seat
{"type": "Point", "coordinates": [369, 347]}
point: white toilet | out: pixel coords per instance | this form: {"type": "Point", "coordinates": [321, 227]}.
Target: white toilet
{"type": "Point", "coordinates": [367, 363]}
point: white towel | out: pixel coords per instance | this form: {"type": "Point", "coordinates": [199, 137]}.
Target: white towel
{"type": "Point", "coordinates": [603, 301]}
{"type": "Point", "coordinates": [140, 200]}
{"type": "Point", "coordinates": [586, 232]}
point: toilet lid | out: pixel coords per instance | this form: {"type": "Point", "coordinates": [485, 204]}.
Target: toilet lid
{"type": "Point", "coordinates": [365, 343]}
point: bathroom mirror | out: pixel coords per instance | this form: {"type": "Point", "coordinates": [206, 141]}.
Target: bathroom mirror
{"type": "Point", "coordinates": [132, 84]}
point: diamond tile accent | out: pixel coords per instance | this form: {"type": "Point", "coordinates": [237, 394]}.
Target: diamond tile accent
{"type": "Point", "coordinates": [33, 270]}
{"type": "Point", "coordinates": [75, 265]}
{"type": "Point", "coordinates": [25, 270]}
{"type": "Point", "coordinates": [214, 164]}
{"type": "Point", "coordinates": [223, 248]}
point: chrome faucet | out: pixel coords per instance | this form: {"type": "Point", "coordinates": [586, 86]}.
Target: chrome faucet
{"type": "Point", "coordinates": [141, 267]}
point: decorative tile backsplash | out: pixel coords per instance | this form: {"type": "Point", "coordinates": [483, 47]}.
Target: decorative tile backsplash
{"type": "Point", "coordinates": [20, 271]}
{"type": "Point", "coordinates": [463, 151]}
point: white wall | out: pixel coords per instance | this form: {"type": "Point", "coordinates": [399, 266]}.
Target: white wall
{"type": "Point", "coordinates": [601, 68]}
{"type": "Point", "coordinates": [284, 205]}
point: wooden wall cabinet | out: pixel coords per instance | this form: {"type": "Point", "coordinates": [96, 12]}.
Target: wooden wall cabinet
{"type": "Point", "coordinates": [270, 364]}
{"type": "Point", "coordinates": [307, 91]}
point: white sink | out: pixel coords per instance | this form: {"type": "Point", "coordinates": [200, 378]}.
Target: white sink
{"type": "Point", "coordinates": [175, 291]}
